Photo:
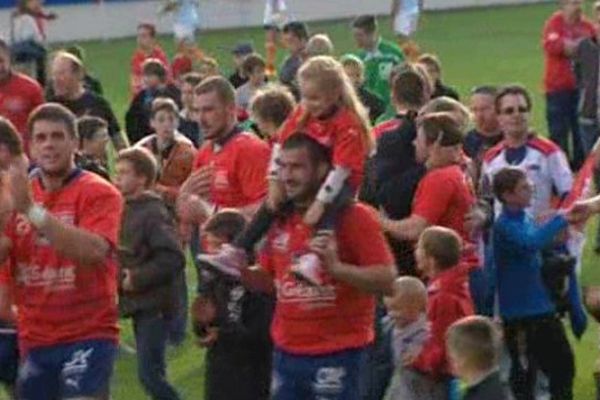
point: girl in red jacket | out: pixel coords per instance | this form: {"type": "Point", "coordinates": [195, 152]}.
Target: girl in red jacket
{"type": "Point", "coordinates": [331, 113]}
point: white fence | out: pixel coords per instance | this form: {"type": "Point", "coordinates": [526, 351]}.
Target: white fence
{"type": "Point", "coordinates": [112, 20]}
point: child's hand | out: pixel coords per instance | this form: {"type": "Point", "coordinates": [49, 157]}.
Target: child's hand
{"type": "Point", "coordinates": [314, 213]}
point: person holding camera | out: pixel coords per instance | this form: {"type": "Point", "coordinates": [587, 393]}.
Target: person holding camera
{"type": "Point", "coordinates": [534, 334]}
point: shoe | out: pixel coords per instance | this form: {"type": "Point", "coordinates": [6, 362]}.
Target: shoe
{"type": "Point", "coordinates": [307, 268]}
{"type": "Point", "coordinates": [229, 260]}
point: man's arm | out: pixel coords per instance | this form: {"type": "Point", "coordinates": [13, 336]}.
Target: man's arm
{"type": "Point", "coordinates": [405, 229]}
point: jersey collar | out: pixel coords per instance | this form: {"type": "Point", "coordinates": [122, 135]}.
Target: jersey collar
{"type": "Point", "coordinates": [218, 144]}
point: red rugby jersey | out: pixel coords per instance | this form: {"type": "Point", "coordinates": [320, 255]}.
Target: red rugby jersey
{"type": "Point", "coordinates": [58, 300]}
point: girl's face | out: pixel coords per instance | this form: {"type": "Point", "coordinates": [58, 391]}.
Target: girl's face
{"type": "Point", "coordinates": [316, 99]}
{"type": "Point", "coordinates": [164, 123]}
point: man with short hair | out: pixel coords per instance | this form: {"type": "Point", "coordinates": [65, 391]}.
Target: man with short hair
{"type": "Point", "coordinates": [147, 47]}
{"type": "Point", "coordinates": [544, 162]}
{"type": "Point", "coordinates": [67, 74]}
{"type": "Point", "coordinates": [60, 269]}
{"type": "Point", "coordinates": [19, 94]}
{"type": "Point", "coordinates": [295, 36]}
{"type": "Point", "coordinates": [378, 54]}
{"type": "Point", "coordinates": [321, 334]}
{"type": "Point", "coordinates": [563, 32]}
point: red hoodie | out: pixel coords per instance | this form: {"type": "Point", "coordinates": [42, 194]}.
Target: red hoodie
{"type": "Point", "coordinates": [448, 300]}
{"type": "Point", "coordinates": [558, 70]}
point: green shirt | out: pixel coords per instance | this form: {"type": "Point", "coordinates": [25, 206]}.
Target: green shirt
{"type": "Point", "coordinates": [378, 66]}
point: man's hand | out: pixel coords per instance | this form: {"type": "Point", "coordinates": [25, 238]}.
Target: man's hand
{"type": "Point", "coordinates": [20, 186]}
{"type": "Point", "coordinates": [209, 339]}
{"type": "Point", "coordinates": [325, 246]}
{"type": "Point", "coordinates": [199, 182]}
{"type": "Point", "coordinates": [127, 283]}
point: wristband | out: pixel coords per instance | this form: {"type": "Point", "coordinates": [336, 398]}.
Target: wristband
{"type": "Point", "coordinates": [37, 215]}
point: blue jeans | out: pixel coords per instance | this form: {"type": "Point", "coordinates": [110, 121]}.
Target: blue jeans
{"type": "Point", "coordinates": [561, 115]}
{"type": "Point", "coordinates": [178, 322]}
{"type": "Point", "coordinates": [334, 376]}
{"type": "Point", "coordinates": [151, 331]}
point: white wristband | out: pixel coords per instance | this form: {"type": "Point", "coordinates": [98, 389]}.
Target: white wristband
{"type": "Point", "coordinates": [333, 184]}
{"type": "Point", "coordinates": [37, 215]}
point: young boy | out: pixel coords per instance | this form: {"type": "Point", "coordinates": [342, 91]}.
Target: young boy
{"type": "Point", "coordinates": [438, 254]}
{"type": "Point", "coordinates": [355, 69]}
{"type": "Point", "coordinates": [253, 68]}
{"type": "Point", "coordinates": [474, 345]}
{"type": "Point", "coordinates": [407, 309]}
{"type": "Point", "coordinates": [93, 138]}
{"type": "Point", "coordinates": [234, 326]}
{"type": "Point", "coordinates": [534, 334]}
{"type": "Point", "coordinates": [269, 109]}
{"type": "Point", "coordinates": [151, 261]}
{"type": "Point", "coordinates": [187, 122]}
{"type": "Point", "coordinates": [156, 84]}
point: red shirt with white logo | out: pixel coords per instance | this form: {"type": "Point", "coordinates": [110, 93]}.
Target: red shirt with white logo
{"type": "Point", "coordinates": [58, 300]}
{"type": "Point", "coordinates": [443, 197]}
{"type": "Point", "coordinates": [19, 95]}
{"type": "Point", "coordinates": [240, 169]}
{"type": "Point", "coordinates": [342, 132]}
{"type": "Point", "coordinates": [558, 67]}
{"type": "Point", "coordinates": [311, 320]}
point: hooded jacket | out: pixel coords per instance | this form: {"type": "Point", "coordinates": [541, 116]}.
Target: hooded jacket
{"type": "Point", "coordinates": [150, 249]}
{"type": "Point", "coordinates": [448, 300]}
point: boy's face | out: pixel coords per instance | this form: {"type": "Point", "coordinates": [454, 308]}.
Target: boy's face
{"type": "Point", "coordinates": [96, 147]}
{"type": "Point", "coordinates": [127, 181]}
{"type": "Point", "coordinates": [457, 365]}
{"type": "Point", "coordinates": [520, 197]}
{"type": "Point", "coordinates": [145, 40]}
{"type": "Point", "coordinates": [257, 77]}
{"type": "Point", "coordinates": [267, 128]}
{"type": "Point", "coordinates": [238, 59]}
{"type": "Point", "coordinates": [211, 243]}
{"type": "Point", "coordinates": [187, 95]}
{"type": "Point", "coordinates": [164, 123]}
{"type": "Point", "coordinates": [151, 81]}
{"type": "Point", "coordinates": [425, 264]}
{"type": "Point", "coordinates": [402, 310]}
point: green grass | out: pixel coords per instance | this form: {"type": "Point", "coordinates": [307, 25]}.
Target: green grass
{"type": "Point", "coordinates": [495, 45]}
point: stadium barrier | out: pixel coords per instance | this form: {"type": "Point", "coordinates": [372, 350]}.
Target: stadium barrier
{"type": "Point", "coordinates": [86, 20]}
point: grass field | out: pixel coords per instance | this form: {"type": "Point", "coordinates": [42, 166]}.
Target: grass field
{"type": "Point", "coordinates": [495, 45]}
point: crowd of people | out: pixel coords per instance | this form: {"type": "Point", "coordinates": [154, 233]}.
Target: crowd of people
{"type": "Point", "coordinates": [356, 231]}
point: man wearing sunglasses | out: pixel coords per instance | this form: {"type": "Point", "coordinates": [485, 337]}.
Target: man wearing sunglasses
{"type": "Point", "coordinates": [543, 161]}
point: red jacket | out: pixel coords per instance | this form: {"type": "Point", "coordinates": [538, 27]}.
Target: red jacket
{"type": "Point", "coordinates": [448, 300]}
{"type": "Point", "coordinates": [558, 71]}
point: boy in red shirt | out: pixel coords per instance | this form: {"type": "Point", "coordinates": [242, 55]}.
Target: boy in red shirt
{"type": "Point", "coordinates": [438, 256]}
{"type": "Point", "coordinates": [147, 48]}
{"type": "Point", "coordinates": [60, 265]}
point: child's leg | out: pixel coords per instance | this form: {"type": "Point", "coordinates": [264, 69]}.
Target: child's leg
{"type": "Point", "coordinates": [522, 378]}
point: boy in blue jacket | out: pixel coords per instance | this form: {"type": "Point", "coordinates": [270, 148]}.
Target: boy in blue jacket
{"type": "Point", "coordinates": [534, 334]}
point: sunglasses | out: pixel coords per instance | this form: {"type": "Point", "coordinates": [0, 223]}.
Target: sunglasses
{"type": "Point", "coordinates": [514, 110]}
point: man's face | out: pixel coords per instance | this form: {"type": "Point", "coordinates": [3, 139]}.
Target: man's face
{"type": "Point", "coordinates": [484, 112]}
{"type": "Point", "coordinates": [64, 80]}
{"type": "Point", "coordinates": [4, 65]}
{"type": "Point", "coordinates": [355, 74]}
{"type": "Point", "coordinates": [514, 116]}
{"type": "Point", "coordinates": [53, 146]}
{"type": "Point", "coordinates": [292, 42]}
{"type": "Point", "coordinates": [126, 180]}
{"type": "Point", "coordinates": [301, 177]}
{"type": "Point", "coordinates": [164, 123]}
{"type": "Point", "coordinates": [187, 95]}
{"type": "Point", "coordinates": [5, 157]}
{"type": "Point", "coordinates": [145, 40]}
{"type": "Point", "coordinates": [213, 116]}
{"type": "Point", "coordinates": [572, 8]}
{"type": "Point", "coordinates": [363, 39]}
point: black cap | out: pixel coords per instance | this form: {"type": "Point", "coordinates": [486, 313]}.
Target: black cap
{"type": "Point", "coordinates": [243, 49]}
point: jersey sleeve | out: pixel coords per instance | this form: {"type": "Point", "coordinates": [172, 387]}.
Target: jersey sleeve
{"type": "Point", "coordinates": [101, 212]}
{"type": "Point", "coordinates": [252, 171]}
{"type": "Point", "coordinates": [559, 169]}
{"type": "Point", "coordinates": [433, 196]}
{"type": "Point", "coordinates": [552, 40]}
{"type": "Point", "coordinates": [360, 233]}
{"type": "Point", "coordinates": [349, 149]}
{"type": "Point", "coordinates": [7, 265]}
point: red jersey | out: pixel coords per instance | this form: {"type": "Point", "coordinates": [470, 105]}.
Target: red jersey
{"type": "Point", "coordinates": [341, 132]}
{"type": "Point", "coordinates": [240, 176]}
{"type": "Point", "coordinates": [137, 60]}
{"type": "Point", "coordinates": [311, 320]}
{"type": "Point", "coordinates": [448, 300]}
{"type": "Point", "coordinates": [19, 95]}
{"type": "Point", "coordinates": [58, 300]}
{"type": "Point", "coordinates": [443, 197]}
{"type": "Point", "coordinates": [181, 65]}
{"type": "Point", "coordinates": [558, 70]}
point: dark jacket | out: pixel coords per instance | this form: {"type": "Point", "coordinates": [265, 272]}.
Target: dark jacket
{"type": "Point", "coordinates": [586, 68]}
{"type": "Point", "coordinates": [372, 102]}
{"type": "Point", "coordinates": [150, 249]}
{"type": "Point", "coordinates": [491, 388]}
{"type": "Point", "coordinates": [137, 118]}
{"type": "Point", "coordinates": [443, 90]}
